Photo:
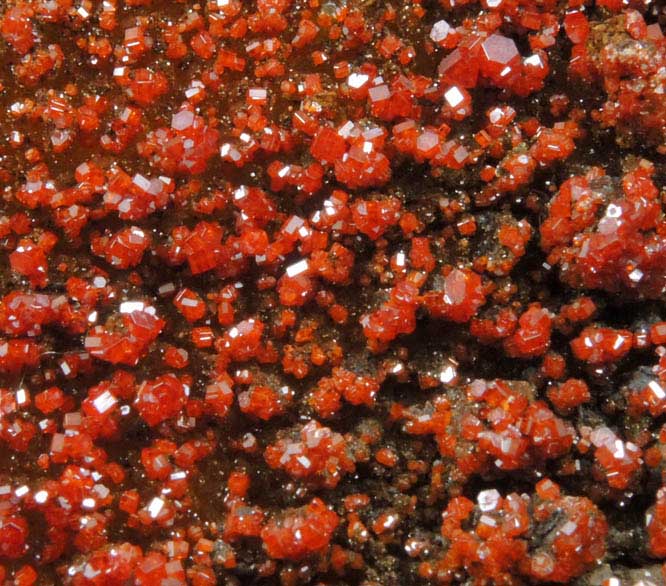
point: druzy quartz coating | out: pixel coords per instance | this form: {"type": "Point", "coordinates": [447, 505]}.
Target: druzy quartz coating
{"type": "Point", "coordinates": [332, 292]}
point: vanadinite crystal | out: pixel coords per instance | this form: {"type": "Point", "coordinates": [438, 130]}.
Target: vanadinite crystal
{"type": "Point", "coordinates": [332, 293]}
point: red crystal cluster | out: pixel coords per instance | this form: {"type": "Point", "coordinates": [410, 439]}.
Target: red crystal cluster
{"type": "Point", "coordinates": [332, 292]}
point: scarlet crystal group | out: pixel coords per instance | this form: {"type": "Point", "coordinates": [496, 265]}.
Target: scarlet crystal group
{"type": "Point", "coordinates": [332, 293]}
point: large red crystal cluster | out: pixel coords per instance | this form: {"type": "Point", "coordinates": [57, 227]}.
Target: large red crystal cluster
{"type": "Point", "coordinates": [332, 292]}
